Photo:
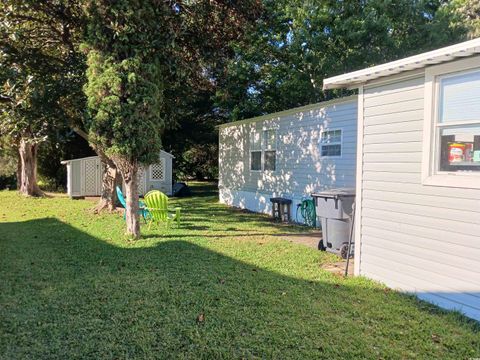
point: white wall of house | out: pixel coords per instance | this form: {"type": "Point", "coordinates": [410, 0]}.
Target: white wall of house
{"type": "Point", "coordinates": [84, 176]}
{"type": "Point", "coordinates": [300, 167]}
{"type": "Point", "coordinates": [414, 236]}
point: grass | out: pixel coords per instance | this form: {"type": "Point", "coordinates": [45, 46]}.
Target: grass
{"type": "Point", "coordinates": [222, 286]}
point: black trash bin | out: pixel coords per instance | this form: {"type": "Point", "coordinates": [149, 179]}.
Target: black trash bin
{"type": "Point", "coordinates": [334, 209]}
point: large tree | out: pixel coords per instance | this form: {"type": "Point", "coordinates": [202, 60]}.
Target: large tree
{"type": "Point", "coordinates": [40, 40]}
{"type": "Point", "coordinates": [138, 51]}
{"type": "Point", "coordinates": [38, 69]}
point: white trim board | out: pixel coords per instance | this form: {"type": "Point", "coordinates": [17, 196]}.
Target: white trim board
{"type": "Point", "coordinates": [442, 55]}
{"type": "Point", "coordinates": [359, 185]}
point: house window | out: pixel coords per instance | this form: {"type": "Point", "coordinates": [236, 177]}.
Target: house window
{"type": "Point", "coordinates": [256, 160]}
{"type": "Point", "coordinates": [451, 136]}
{"type": "Point", "coordinates": [458, 123]}
{"type": "Point", "coordinates": [157, 171]}
{"type": "Point", "coordinates": [331, 143]}
{"type": "Point", "coordinates": [255, 151]}
{"type": "Point", "coordinates": [270, 149]}
{"type": "Point", "coordinates": [263, 150]}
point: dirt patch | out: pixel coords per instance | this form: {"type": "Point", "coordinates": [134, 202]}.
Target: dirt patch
{"type": "Point", "coordinates": [338, 268]}
{"type": "Point", "coordinates": [309, 239]}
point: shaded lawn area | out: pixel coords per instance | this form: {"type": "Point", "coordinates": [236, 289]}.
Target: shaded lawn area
{"type": "Point", "coordinates": [222, 286]}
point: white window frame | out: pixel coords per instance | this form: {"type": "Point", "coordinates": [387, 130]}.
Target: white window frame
{"type": "Point", "coordinates": [262, 149]}
{"type": "Point", "coordinates": [430, 160]}
{"type": "Point", "coordinates": [333, 143]}
{"type": "Point", "coordinates": [265, 149]}
{"type": "Point", "coordinates": [163, 162]}
{"type": "Point", "coordinates": [250, 143]}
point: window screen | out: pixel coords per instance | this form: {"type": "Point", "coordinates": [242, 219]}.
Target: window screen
{"type": "Point", "coordinates": [460, 98]}
{"type": "Point", "coordinates": [270, 160]}
{"type": "Point", "coordinates": [256, 160]}
{"type": "Point", "coordinates": [458, 123]}
{"type": "Point", "coordinates": [331, 143]}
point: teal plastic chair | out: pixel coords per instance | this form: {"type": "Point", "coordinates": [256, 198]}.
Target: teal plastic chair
{"type": "Point", "coordinates": [156, 203]}
{"type": "Point", "coordinates": [141, 211]}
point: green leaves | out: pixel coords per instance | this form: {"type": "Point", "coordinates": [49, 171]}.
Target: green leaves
{"type": "Point", "coordinates": [297, 44]}
{"type": "Point", "coordinates": [125, 82]}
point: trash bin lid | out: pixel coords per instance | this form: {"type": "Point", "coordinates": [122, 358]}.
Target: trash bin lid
{"type": "Point", "coordinates": [336, 193]}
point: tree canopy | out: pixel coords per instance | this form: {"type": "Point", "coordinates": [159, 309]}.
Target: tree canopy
{"type": "Point", "coordinates": [298, 44]}
{"type": "Point", "coordinates": [209, 62]}
{"type": "Point", "coordinates": [37, 73]}
{"type": "Point", "coordinates": [135, 51]}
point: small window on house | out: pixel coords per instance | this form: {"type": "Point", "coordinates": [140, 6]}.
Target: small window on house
{"type": "Point", "coordinates": [157, 171]}
{"type": "Point", "coordinates": [270, 160]}
{"type": "Point", "coordinates": [458, 123]}
{"type": "Point", "coordinates": [331, 143]}
{"type": "Point", "coordinates": [255, 151]}
{"type": "Point", "coordinates": [256, 160]}
{"type": "Point", "coordinates": [270, 150]}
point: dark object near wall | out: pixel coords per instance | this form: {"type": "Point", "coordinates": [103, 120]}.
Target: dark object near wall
{"type": "Point", "coordinates": [8, 182]}
{"type": "Point", "coordinates": [281, 209]}
{"type": "Point", "coordinates": [181, 189]}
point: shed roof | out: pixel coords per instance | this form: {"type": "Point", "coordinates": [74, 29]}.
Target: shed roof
{"type": "Point", "coordinates": [355, 78]}
{"type": "Point", "coordinates": [65, 162]}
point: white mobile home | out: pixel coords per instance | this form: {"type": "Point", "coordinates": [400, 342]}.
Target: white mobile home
{"type": "Point", "coordinates": [288, 154]}
{"type": "Point", "coordinates": [84, 176]}
{"type": "Point", "coordinates": [418, 174]}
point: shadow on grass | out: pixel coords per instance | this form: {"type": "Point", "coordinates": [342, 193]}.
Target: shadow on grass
{"type": "Point", "coordinates": [66, 294]}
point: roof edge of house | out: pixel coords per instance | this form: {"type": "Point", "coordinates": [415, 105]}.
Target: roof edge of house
{"type": "Point", "coordinates": [344, 99]}
{"type": "Point", "coordinates": [422, 60]}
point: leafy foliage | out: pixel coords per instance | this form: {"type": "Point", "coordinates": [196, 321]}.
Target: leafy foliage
{"type": "Point", "coordinates": [296, 45]}
{"type": "Point", "coordinates": [467, 14]}
{"type": "Point", "coordinates": [39, 68]}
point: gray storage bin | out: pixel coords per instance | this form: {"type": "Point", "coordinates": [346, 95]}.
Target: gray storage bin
{"type": "Point", "coordinates": [335, 203]}
{"type": "Point", "coordinates": [334, 209]}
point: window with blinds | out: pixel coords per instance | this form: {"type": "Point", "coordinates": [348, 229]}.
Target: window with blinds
{"type": "Point", "coordinates": [458, 122]}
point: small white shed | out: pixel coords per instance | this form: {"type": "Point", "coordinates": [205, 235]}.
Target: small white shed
{"type": "Point", "coordinates": [418, 174]}
{"type": "Point", "coordinates": [84, 176]}
{"type": "Point", "coordinates": [289, 154]}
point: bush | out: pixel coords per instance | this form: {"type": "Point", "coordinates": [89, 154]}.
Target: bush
{"type": "Point", "coordinates": [50, 184]}
{"type": "Point", "coordinates": [8, 182]}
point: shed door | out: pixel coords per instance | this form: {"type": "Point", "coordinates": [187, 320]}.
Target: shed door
{"type": "Point", "coordinates": [91, 178]}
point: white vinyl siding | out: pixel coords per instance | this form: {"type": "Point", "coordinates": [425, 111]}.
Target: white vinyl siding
{"type": "Point", "coordinates": [299, 167]}
{"type": "Point", "coordinates": [413, 237]}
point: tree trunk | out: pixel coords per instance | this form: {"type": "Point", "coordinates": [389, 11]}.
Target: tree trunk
{"type": "Point", "coordinates": [28, 176]}
{"type": "Point", "coordinates": [129, 172]}
{"type": "Point", "coordinates": [110, 179]}
{"type": "Point", "coordinates": [19, 169]}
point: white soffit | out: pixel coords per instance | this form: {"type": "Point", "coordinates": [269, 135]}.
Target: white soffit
{"type": "Point", "coordinates": [464, 49]}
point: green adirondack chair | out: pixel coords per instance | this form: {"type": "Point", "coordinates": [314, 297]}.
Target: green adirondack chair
{"type": "Point", "coordinates": [156, 203]}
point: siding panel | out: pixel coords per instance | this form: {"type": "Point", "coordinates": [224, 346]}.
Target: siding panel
{"type": "Point", "coordinates": [301, 169]}
{"type": "Point", "coordinates": [418, 238]}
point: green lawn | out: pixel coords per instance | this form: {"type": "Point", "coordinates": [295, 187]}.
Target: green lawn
{"type": "Point", "coordinates": [222, 286]}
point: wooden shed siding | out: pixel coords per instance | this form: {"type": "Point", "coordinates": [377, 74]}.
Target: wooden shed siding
{"type": "Point", "coordinates": [418, 238]}
{"type": "Point", "coordinates": [300, 168]}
